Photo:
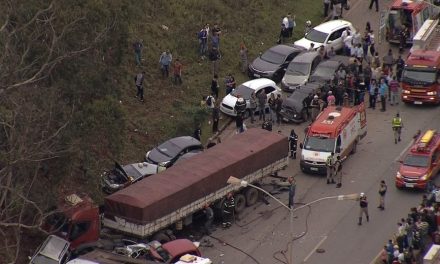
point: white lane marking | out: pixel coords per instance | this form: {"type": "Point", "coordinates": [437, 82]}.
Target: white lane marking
{"type": "Point", "coordinates": [315, 248]}
{"type": "Point", "coordinates": [403, 151]}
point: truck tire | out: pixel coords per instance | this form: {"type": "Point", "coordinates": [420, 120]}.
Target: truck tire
{"type": "Point", "coordinates": [240, 203]}
{"type": "Point", "coordinates": [251, 195]}
{"type": "Point", "coordinates": [162, 237]}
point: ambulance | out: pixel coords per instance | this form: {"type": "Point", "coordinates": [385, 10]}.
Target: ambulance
{"type": "Point", "coordinates": [421, 163]}
{"type": "Point", "coordinates": [337, 129]}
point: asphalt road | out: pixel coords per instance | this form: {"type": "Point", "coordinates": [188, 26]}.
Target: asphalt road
{"type": "Point", "coordinates": [331, 225]}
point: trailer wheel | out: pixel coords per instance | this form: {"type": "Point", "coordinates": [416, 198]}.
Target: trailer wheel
{"type": "Point", "coordinates": [240, 203]}
{"type": "Point", "coordinates": [162, 237]}
{"type": "Point", "coordinates": [251, 195]}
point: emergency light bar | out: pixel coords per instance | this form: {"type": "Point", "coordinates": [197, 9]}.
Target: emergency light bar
{"type": "Point", "coordinates": [427, 136]}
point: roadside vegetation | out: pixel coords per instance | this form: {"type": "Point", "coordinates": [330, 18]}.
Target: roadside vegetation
{"type": "Point", "coordinates": [67, 106]}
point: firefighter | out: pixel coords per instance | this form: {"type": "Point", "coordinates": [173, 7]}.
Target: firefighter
{"type": "Point", "coordinates": [330, 165]}
{"type": "Point", "coordinates": [363, 204]}
{"type": "Point", "coordinates": [397, 127]}
{"type": "Point", "coordinates": [293, 142]}
{"type": "Point", "coordinates": [228, 210]}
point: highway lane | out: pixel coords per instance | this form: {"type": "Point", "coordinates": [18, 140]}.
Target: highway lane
{"type": "Point", "coordinates": [332, 225]}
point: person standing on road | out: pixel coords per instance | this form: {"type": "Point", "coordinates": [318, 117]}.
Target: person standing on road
{"type": "Point", "coordinates": [209, 214]}
{"type": "Point", "coordinates": [139, 79]}
{"type": "Point", "coordinates": [262, 98]}
{"type": "Point", "coordinates": [363, 204]}
{"type": "Point", "coordinates": [292, 190]}
{"type": "Point", "coordinates": [397, 127]}
{"type": "Point", "coordinates": [394, 89]}
{"type": "Point", "coordinates": [165, 61]}
{"type": "Point", "coordinates": [330, 167]}
{"type": "Point", "coordinates": [228, 210]}
{"type": "Point", "coordinates": [252, 106]}
{"type": "Point", "coordinates": [278, 106]}
{"type": "Point", "coordinates": [376, 2]}
{"type": "Point", "coordinates": [383, 91]}
{"type": "Point", "coordinates": [272, 107]}
{"type": "Point", "coordinates": [382, 192]}
{"type": "Point", "coordinates": [388, 60]}
{"type": "Point", "coordinates": [373, 92]}
{"type": "Point", "coordinates": [338, 171]}
{"type": "Point", "coordinates": [314, 105]}
{"type": "Point", "coordinates": [400, 64]}
{"type": "Point", "coordinates": [293, 143]}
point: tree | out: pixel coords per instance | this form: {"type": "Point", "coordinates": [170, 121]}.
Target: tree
{"type": "Point", "coordinates": [57, 98]}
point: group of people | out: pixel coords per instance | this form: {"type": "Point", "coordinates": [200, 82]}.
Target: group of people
{"type": "Point", "coordinates": [288, 24]}
{"type": "Point", "coordinates": [414, 233]}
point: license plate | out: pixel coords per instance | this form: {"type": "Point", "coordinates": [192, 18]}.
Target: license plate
{"type": "Point", "coordinates": [314, 169]}
{"type": "Point", "coordinates": [257, 75]}
{"type": "Point", "coordinates": [409, 185]}
{"type": "Point", "coordinates": [417, 102]}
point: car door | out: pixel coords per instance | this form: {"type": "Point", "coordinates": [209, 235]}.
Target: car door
{"type": "Point", "coordinates": [335, 40]}
{"type": "Point", "coordinates": [289, 59]}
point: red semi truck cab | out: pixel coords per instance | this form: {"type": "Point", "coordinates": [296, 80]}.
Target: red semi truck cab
{"type": "Point", "coordinates": [421, 163]}
{"type": "Point", "coordinates": [421, 77]}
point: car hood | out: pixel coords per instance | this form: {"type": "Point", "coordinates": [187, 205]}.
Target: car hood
{"type": "Point", "coordinates": [318, 156]}
{"type": "Point", "coordinates": [412, 172]}
{"type": "Point", "coordinates": [229, 100]}
{"type": "Point", "coordinates": [295, 101]}
{"type": "Point", "coordinates": [305, 43]}
{"type": "Point", "coordinates": [264, 66]}
{"type": "Point", "coordinates": [294, 79]}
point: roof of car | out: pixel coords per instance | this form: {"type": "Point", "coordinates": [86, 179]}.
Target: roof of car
{"type": "Point", "coordinates": [53, 247]}
{"type": "Point", "coordinates": [305, 57]}
{"type": "Point", "coordinates": [257, 83]}
{"type": "Point", "coordinates": [184, 141]}
{"type": "Point", "coordinates": [285, 49]}
{"type": "Point", "coordinates": [330, 26]}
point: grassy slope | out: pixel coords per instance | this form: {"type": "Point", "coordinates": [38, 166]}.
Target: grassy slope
{"type": "Point", "coordinates": [169, 109]}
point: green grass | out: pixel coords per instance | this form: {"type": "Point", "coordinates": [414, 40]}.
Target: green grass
{"type": "Point", "coordinates": [174, 110]}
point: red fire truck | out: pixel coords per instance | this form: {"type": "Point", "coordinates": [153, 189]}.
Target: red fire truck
{"type": "Point", "coordinates": [420, 77]}
{"type": "Point", "coordinates": [407, 13]}
{"type": "Point", "coordinates": [422, 162]}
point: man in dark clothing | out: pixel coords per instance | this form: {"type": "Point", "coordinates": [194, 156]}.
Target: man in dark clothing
{"type": "Point", "coordinates": [198, 132]}
{"type": "Point", "coordinates": [209, 214]}
{"type": "Point", "coordinates": [363, 204]}
{"type": "Point", "coordinates": [137, 47]}
{"type": "Point", "coordinates": [230, 83]}
{"type": "Point", "coordinates": [293, 143]}
{"type": "Point", "coordinates": [228, 210]}
{"type": "Point", "coordinates": [306, 104]}
{"type": "Point", "coordinates": [262, 98]}
{"type": "Point", "coordinates": [214, 56]}
{"type": "Point", "coordinates": [278, 104]}
{"type": "Point", "coordinates": [400, 64]}
{"type": "Point", "coordinates": [215, 118]}
{"type": "Point", "coordinates": [138, 80]}
{"type": "Point", "coordinates": [376, 2]}
{"type": "Point", "coordinates": [240, 106]}
{"type": "Point", "coordinates": [215, 86]}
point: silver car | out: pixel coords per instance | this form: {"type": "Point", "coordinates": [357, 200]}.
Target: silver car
{"type": "Point", "coordinates": [54, 250]}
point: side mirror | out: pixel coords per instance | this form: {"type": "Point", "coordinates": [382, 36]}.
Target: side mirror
{"type": "Point", "coordinates": [301, 145]}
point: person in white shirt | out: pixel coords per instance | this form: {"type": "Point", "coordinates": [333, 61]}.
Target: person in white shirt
{"type": "Point", "coordinates": [348, 44]}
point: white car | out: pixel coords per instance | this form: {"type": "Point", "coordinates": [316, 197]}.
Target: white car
{"type": "Point", "coordinates": [245, 90]}
{"type": "Point", "coordinates": [327, 34]}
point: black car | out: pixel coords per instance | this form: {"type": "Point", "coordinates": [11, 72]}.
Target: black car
{"type": "Point", "coordinates": [121, 176]}
{"type": "Point", "coordinates": [273, 62]}
{"type": "Point", "coordinates": [292, 109]}
{"type": "Point", "coordinates": [171, 150]}
{"type": "Point", "coordinates": [325, 71]}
